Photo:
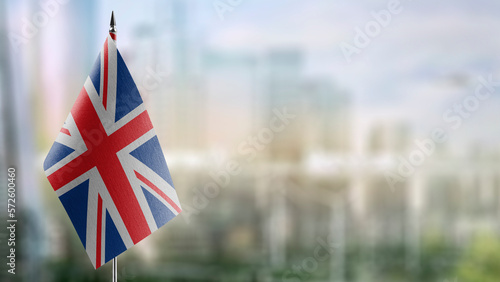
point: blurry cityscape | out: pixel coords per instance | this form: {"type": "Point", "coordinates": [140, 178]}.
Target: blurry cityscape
{"type": "Point", "coordinates": [305, 172]}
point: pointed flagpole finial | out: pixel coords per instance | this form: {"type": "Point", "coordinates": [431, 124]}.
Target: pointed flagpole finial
{"type": "Point", "coordinates": [112, 26]}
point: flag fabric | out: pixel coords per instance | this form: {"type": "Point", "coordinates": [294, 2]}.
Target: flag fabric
{"type": "Point", "coordinates": [106, 164]}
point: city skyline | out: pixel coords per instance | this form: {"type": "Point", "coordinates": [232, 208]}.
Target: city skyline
{"type": "Point", "coordinates": [274, 137]}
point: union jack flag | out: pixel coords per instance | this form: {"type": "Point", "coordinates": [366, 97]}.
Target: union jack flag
{"type": "Point", "coordinates": [106, 164]}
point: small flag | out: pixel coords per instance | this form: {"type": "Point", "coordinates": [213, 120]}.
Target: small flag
{"type": "Point", "coordinates": [107, 166]}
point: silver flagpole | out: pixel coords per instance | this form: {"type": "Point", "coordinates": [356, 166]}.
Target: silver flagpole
{"type": "Point", "coordinates": [112, 32]}
{"type": "Point", "coordinates": [115, 269]}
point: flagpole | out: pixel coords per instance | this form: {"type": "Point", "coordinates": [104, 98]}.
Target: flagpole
{"type": "Point", "coordinates": [112, 33]}
{"type": "Point", "coordinates": [112, 26]}
{"type": "Point", "coordinates": [115, 269]}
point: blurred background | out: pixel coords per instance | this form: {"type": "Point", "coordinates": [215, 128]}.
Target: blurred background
{"type": "Point", "coordinates": [320, 140]}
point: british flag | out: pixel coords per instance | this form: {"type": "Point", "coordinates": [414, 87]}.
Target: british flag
{"type": "Point", "coordinates": [107, 166]}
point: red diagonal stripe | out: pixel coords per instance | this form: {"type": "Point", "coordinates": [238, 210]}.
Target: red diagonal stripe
{"type": "Point", "coordinates": [157, 190]}
{"type": "Point", "coordinates": [65, 131]}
